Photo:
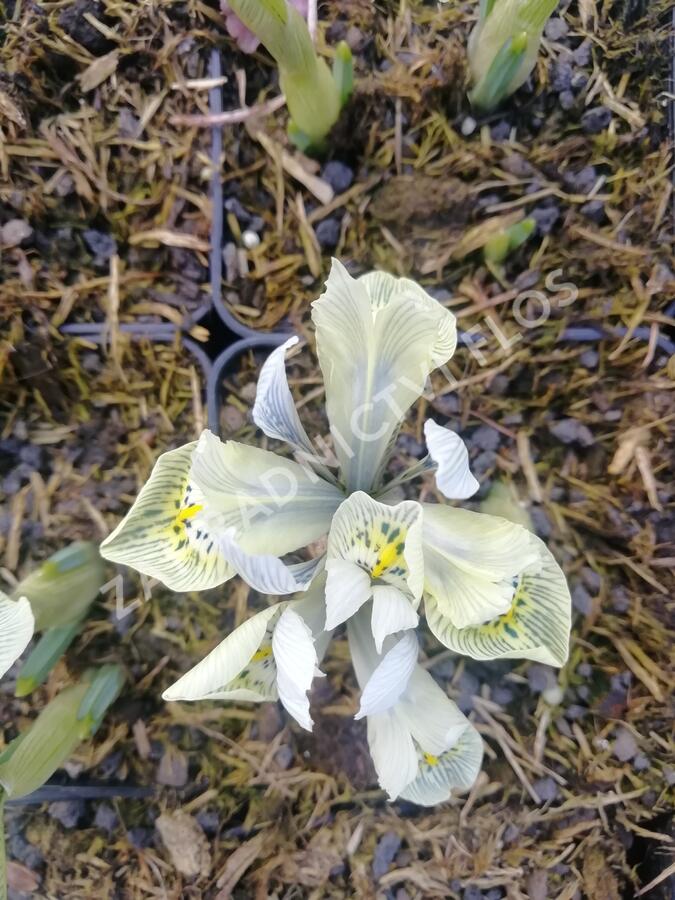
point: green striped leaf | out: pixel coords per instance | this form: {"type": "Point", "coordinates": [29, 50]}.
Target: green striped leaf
{"type": "Point", "coordinates": [44, 656]}
{"type": "Point", "coordinates": [46, 746]}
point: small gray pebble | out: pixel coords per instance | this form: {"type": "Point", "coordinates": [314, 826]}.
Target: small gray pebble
{"type": "Point", "coordinates": [502, 696]}
{"type": "Point", "coordinates": [328, 233]}
{"type": "Point", "coordinates": [641, 762]}
{"type": "Point", "coordinates": [561, 75]}
{"type": "Point", "coordinates": [582, 600]}
{"type": "Point", "coordinates": [545, 217]}
{"type": "Point", "coordinates": [596, 119]}
{"type": "Point", "coordinates": [102, 245]}
{"type": "Point", "coordinates": [589, 359]}
{"type": "Point", "coordinates": [67, 812]}
{"type": "Point", "coordinates": [620, 600]}
{"type": "Point", "coordinates": [385, 852]}
{"type": "Point", "coordinates": [579, 81]}
{"type": "Point", "coordinates": [574, 712]}
{"type": "Point", "coordinates": [485, 437]}
{"type": "Point", "coordinates": [284, 756]}
{"type": "Point", "coordinates": [570, 431]}
{"type": "Point", "coordinates": [582, 55]}
{"type": "Point", "coordinates": [501, 131]}
{"type": "Point", "coordinates": [472, 893]}
{"type": "Point", "coordinates": [592, 579]}
{"type": "Point", "coordinates": [585, 670]}
{"type": "Point", "coordinates": [556, 28]}
{"type": "Point", "coordinates": [469, 686]}
{"type": "Point", "coordinates": [483, 462]}
{"type": "Point", "coordinates": [594, 210]}
{"type": "Point", "coordinates": [540, 678]}
{"type": "Point", "coordinates": [546, 788]}
{"type": "Point", "coordinates": [581, 182]}
{"type": "Point", "coordinates": [566, 100]}
{"type": "Point", "coordinates": [541, 522]}
{"type": "Point", "coordinates": [625, 745]}
{"type": "Point", "coordinates": [511, 833]}
{"type": "Point", "coordinates": [106, 818]}
{"type": "Point", "coordinates": [338, 175]}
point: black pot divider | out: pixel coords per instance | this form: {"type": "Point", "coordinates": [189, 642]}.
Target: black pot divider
{"type": "Point", "coordinates": [50, 793]}
{"type": "Point", "coordinates": [228, 337]}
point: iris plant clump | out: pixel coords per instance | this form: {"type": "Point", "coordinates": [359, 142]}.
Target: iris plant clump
{"type": "Point", "coordinates": [503, 47]}
{"type": "Point", "coordinates": [489, 589]}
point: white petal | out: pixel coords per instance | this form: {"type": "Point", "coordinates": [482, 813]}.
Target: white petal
{"type": "Point", "coordinates": [449, 453]}
{"type": "Point", "coordinates": [385, 541]}
{"type": "Point", "coordinates": [297, 664]}
{"type": "Point", "coordinates": [392, 612]}
{"type": "Point", "coordinates": [263, 573]}
{"type": "Point", "coordinates": [274, 411]}
{"type": "Point", "coordinates": [537, 625]}
{"type": "Point", "coordinates": [348, 587]}
{"type": "Point", "coordinates": [274, 504]}
{"type": "Point", "coordinates": [378, 338]}
{"type": "Point", "coordinates": [432, 718]}
{"type": "Point", "coordinates": [16, 629]}
{"type": "Point", "coordinates": [159, 535]}
{"type": "Point", "coordinates": [393, 752]}
{"type": "Point", "coordinates": [455, 769]}
{"type": "Point", "coordinates": [390, 678]}
{"type": "Point", "coordinates": [471, 563]}
{"type": "Point", "coordinates": [227, 673]}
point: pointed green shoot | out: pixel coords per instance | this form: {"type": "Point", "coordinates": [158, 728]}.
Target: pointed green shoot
{"type": "Point", "coordinates": [343, 71]}
{"type": "Point", "coordinates": [504, 242]}
{"type": "Point", "coordinates": [494, 86]}
{"type": "Point", "coordinates": [35, 755]}
{"type": "Point", "coordinates": [312, 96]}
{"type": "Point", "coordinates": [62, 589]}
{"type": "Point", "coordinates": [44, 656]}
{"type": "Point", "coordinates": [104, 688]}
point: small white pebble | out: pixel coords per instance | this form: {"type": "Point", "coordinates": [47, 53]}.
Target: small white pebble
{"type": "Point", "coordinates": [250, 239]}
{"type": "Point", "coordinates": [553, 695]}
{"type": "Point", "coordinates": [468, 126]}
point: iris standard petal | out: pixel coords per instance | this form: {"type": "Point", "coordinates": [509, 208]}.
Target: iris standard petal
{"type": "Point", "coordinates": [392, 612]}
{"type": "Point", "coordinates": [448, 451]}
{"type": "Point", "coordinates": [348, 587]}
{"type": "Point", "coordinates": [390, 678]}
{"type": "Point", "coordinates": [274, 411]}
{"type": "Point", "coordinates": [297, 664]}
{"type": "Point", "coordinates": [378, 338]}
